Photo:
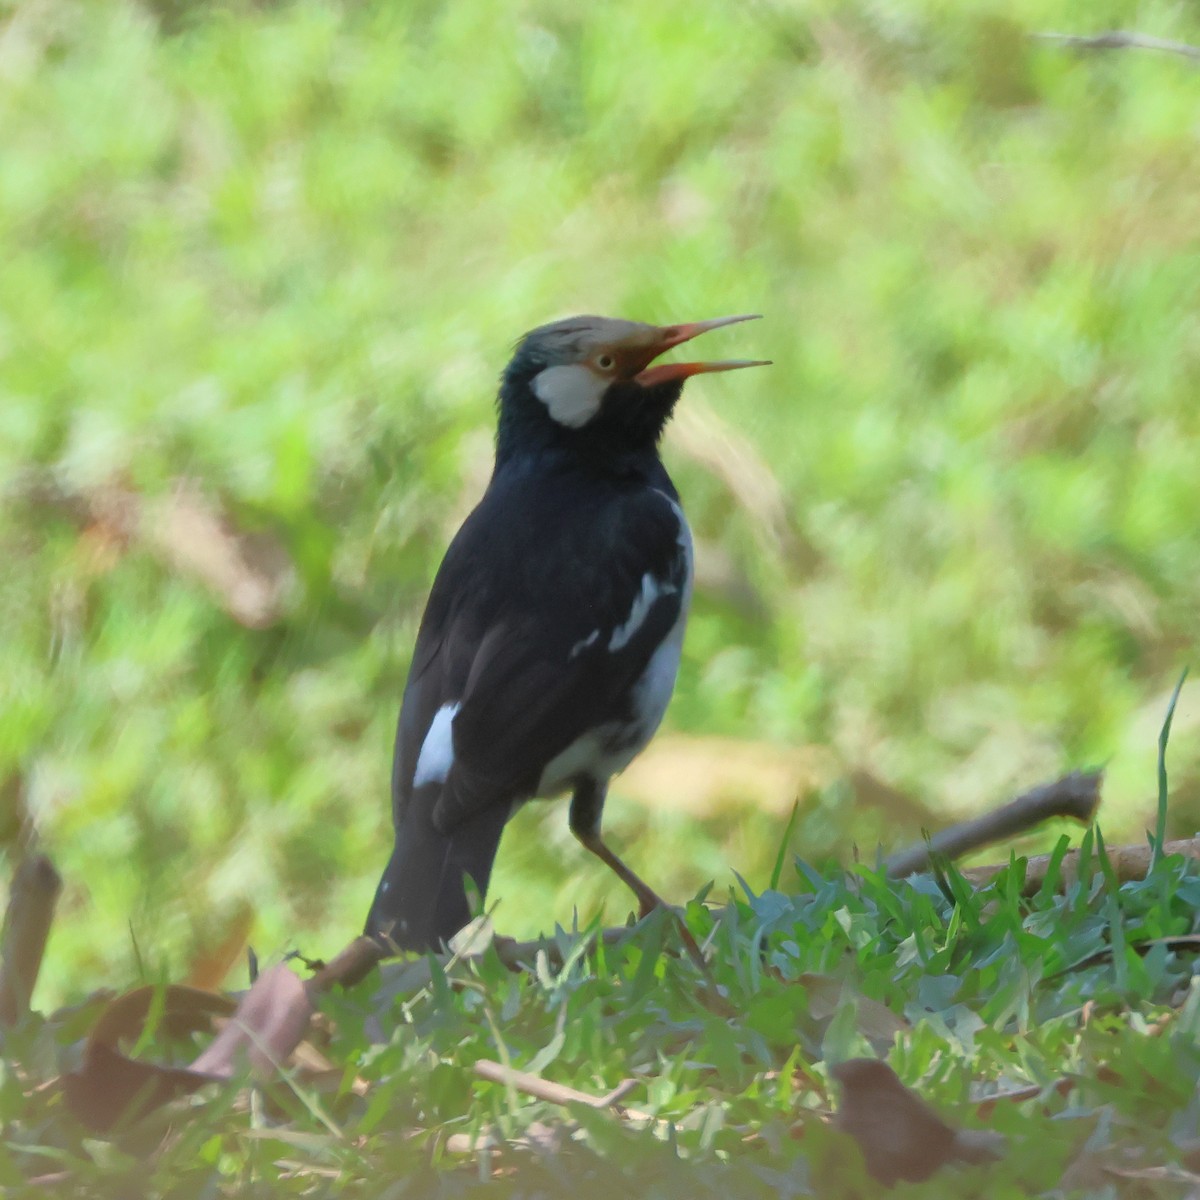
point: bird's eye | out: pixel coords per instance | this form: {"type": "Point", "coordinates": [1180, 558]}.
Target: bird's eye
{"type": "Point", "coordinates": [606, 362]}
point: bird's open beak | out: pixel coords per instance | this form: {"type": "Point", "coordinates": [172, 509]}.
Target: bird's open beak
{"type": "Point", "coordinates": [675, 335]}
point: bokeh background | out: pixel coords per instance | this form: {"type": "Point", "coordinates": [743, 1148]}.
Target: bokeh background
{"type": "Point", "coordinates": [260, 265]}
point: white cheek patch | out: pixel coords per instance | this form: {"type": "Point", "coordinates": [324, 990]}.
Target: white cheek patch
{"type": "Point", "coordinates": [437, 751]}
{"type": "Point", "coordinates": [571, 394]}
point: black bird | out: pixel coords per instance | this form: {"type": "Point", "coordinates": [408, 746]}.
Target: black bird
{"type": "Point", "coordinates": [552, 636]}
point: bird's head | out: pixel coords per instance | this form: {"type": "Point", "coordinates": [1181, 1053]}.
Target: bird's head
{"type": "Point", "coordinates": [590, 382]}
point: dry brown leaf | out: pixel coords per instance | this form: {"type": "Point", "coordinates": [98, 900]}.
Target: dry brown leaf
{"type": "Point", "coordinates": [212, 963]}
{"type": "Point", "coordinates": [184, 1010]}
{"type": "Point", "coordinates": [262, 1030]}
{"type": "Point", "coordinates": [110, 1089]}
{"type": "Point", "coordinates": [900, 1136]}
{"type": "Point", "coordinates": [269, 1024]}
{"type": "Point", "coordinates": [826, 994]}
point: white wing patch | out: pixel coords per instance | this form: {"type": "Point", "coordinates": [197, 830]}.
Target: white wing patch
{"type": "Point", "coordinates": [583, 643]}
{"type": "Point", "coordinates": [652, 588]}
{"type": "Point", "coordinates": [571, 394]}
{"type": "Point", "coordinates": [653, 691]}
{"type": "Point", "coordinates": [437, 751]}
{"type": "Point", "coordinates": [684, 540]}
{"type": "Point", "coordinates": [650, 591]}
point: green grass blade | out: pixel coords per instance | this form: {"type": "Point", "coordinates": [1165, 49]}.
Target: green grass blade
{"type": "Point", "coordinates": [1164, 736]}
{"type": "Point", "coordinates": [784, 842]}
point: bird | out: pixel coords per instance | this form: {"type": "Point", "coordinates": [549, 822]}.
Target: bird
{"type": "Point", "coordinates": [552, 635]}
{"type": "Point", "coordinates": [900, 1136]}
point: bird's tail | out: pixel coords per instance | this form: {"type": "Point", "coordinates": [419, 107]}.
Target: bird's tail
{"type": "Point", "coordinates": [421, 901]}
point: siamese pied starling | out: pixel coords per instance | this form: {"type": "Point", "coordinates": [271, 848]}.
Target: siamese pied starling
{"type": "Point", "coordinates": [552, 636]}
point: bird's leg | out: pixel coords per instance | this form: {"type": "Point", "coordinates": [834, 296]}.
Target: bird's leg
{"type": "Point", "coordinates": [648, 899]}
{"type": "Point", "coordinates": [587, 804]}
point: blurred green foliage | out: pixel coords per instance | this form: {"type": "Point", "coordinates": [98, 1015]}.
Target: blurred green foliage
{"type": "Point", "coordinates": [280, 252]}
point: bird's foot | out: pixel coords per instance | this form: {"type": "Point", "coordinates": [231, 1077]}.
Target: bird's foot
{"type": "Point", "coordinates": [689, 942]}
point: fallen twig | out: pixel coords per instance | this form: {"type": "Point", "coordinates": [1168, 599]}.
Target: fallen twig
{"type": "Point", "coordinates": [55, 1179]}
{"type": "Point", "coordinates": [555, 1093]}
{"type": "Point", "coordinates": [1120, 39]}
{"type": "Point", "coordinates": [1183, 943]}
{"type": "Point", "coordinates": [349, 967]}
{"type": "Point", "coordinates": [1059, 1087]}
{"type": "Point", "coordinates": [1167, 1172]}
{"type": "Point", "coordinates": [1128, 863]}
{"type": "Point", "coordinates": [540, 1137]}
{"type": "Point", "coordinates": [1075, 796]}
{"type": "Point", "coordinates": [35, 889]}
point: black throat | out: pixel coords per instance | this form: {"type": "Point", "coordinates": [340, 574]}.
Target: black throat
{"type": "Point", "coordinates": [620, 441]}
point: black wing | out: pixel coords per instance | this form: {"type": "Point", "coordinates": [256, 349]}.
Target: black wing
{"type": "Point", "coordinates": [519, 632]}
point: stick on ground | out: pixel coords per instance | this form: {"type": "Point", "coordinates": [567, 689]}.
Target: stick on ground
{"type": "Point", "coordinates": [1128, 863]}
{"type": "Point", "coordinates": [546, 1089]}
{"type": "Point", "coordinates": [1121, 39]}
{"type": "Point", "coordinates": [35, 888]}
{"type": "Point", "coordinates": [1076, 796]}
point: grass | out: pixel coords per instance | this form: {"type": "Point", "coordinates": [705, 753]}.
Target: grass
{"type": "Point", "coordinates": [969, 994]}
{"type": "Point", "coordinates": [280, 252]}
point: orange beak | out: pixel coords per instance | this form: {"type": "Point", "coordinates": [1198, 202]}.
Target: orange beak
{"type": "Point", "coordinates": [676, 335]}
